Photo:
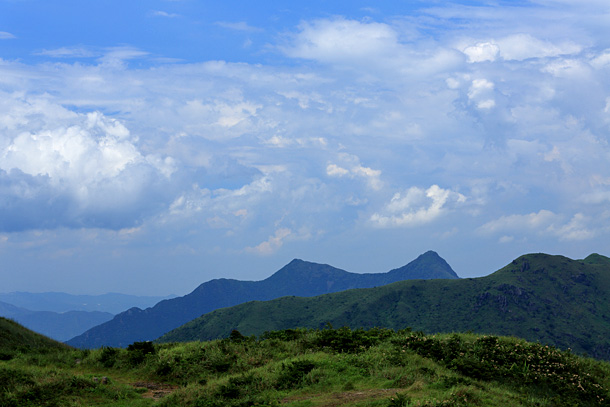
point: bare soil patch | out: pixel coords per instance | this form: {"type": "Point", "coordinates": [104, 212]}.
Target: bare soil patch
{"type": "Point", "coordinates": [155, 390]}
{"type": "Point", "coordinates": [346, 398]}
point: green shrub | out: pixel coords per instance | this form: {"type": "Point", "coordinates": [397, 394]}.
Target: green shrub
{"type": "Point", "coordinates": [350, 341]}
{"type": "Point", "coordinates": [108, 356]}
{"type": "Point", "coordinates": [292, 374]}
{"type": "Point", "coordinates": [286, 335]}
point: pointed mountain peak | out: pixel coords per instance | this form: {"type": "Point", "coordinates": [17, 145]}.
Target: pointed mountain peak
{"type": "Point", "coordinates": [427, 266]}
{"type": "Point", "coordinates": [430, 254]}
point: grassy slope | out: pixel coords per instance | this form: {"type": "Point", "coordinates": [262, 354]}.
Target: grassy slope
{"type": "Point", "coordinates": [551, 299]}
{"type": "Point", "coordinates": [15, 338]}
{"type": "Point", "coordinates": [312, 368]}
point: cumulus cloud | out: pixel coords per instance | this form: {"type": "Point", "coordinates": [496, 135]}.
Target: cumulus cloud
{"type": "Point", "coordinates": [483, 51]}
{"type": "Point", "coordinates": [416, 207]}
{"type": "Point", "coordinates": [543, 222]}
{"type": "Point", "coordinates": [343, 40]}
{"type": "Point", "coordinates": [524, 46]}
{"type": "Point", "coordinates": [355, 170]}
{"type": "Point", "coordinates": [84, 169]}
{"type": "Point", "coordinates": [518, 47]}
{"type": "Point", "coordinates": [481, 93]}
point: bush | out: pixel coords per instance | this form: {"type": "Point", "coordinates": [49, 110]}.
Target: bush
{"type": "Point", "coordinates": [293, 373]}
{"type": "Point", "coordinates": [108, 356]}
{"type": "Point", "coordinates": [286, 335]}
{"type": "Point", "coordinates": [346, 340]}
{"type": "Point", "coordinates": [137, 352]}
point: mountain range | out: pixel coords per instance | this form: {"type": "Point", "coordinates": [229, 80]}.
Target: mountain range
{"type": "Point", "coordinates": [538, 297]}
{"type": "Point", "coordinates": [299, 278]}
{"type": "Point", "coordinates": [59, 326]}
{"type": "Point", "coordinates": [112, 303]}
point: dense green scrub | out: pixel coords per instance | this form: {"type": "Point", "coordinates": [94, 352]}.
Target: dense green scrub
{"type": "Point", "coordinates": [328, 367]}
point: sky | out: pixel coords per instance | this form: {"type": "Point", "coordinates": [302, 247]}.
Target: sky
{"type": "Point", "coordinates": [149, 146]}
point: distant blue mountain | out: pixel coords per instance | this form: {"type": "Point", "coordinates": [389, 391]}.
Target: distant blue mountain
{"type": "Point", "coordinates": [58, 326]}
{"type": "Point", "coordinates": [62, 302]}
{"type": "Point", "coordinates": [298, 278]}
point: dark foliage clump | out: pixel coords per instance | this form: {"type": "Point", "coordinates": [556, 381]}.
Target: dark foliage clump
{"type": "Point", "coordinates": [108, 356]}
{"type": "Point", "coordinates": [286, 335]}
{"type": "Point", "coordinates": [293, 373]}
{"type": "Point", "coordinates": [350, 341]}
{"type": "Point", "coordinates": [138, 351]}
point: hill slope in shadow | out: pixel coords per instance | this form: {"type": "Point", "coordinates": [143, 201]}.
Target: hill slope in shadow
{"type": "Point", "coordinates": [300, 278]}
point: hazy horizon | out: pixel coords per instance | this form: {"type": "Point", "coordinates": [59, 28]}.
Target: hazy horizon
{"type": "Point", "coordinates": [148, 147]}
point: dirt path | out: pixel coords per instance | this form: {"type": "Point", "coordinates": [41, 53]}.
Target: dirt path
{"type": "Point", "coordinates": [155, 390]}
{"type": "Point", "coordinates": [346, 398]}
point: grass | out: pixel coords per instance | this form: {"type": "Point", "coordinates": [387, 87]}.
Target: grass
{"type": "Point", "coordinates": [298, 368]}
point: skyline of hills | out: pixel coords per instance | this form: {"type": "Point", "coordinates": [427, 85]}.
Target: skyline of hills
{"type": "Point", "coordinates": [538, 297]}
{"type": "Point", "coordinates": [59, 326]}
{"type": "Point", "coordinates": [296, 278]}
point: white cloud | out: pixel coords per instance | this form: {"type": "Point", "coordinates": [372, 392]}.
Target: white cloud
{"type": "Point", "coordinates": [506, 239]}
{"type": "Point", "coordinates": [222, 200]}
{"type": "Point", "coordinates": [115, 57]}
{"type": "Point", "coordinates": [69, 52]}
{"type": "Point", "coordinates": [544, 223]}
{"type": "Point", "coordinates": [334, 170]}
{"type": "Point", "coordinates": [159, 13]}
{"type": "Point", "coordinates": [601, 60]}
{"type": "Point", "coordinates": [481, 92]}
{"type": "Point", "coordinates": [481, 52]}
{"type": "Point", "coordinates": [541, 220]}
{"type": "Point", "coordinates": [85, 166]}
{"type": "Point", "coordinates": [524, 46]}
{"type": "Point", "coordinates": [273, 244]}
{"type": "Point", "coordinates": [343, 40]}
{"type": "Point", "coordinates": [238, 26]}
{"type": "Point", "coordinates": [576, 229]}
{"type": "Point", "coordinates": [355, 170]}
{"type": "Point", "coordinates": [416, 206]}
{"type": "Point", "coordinates": [567, 68]}
{"type": "Point", "coordinates": [518, 47]}
{"type": "Point", "coordinates": [6, 35]}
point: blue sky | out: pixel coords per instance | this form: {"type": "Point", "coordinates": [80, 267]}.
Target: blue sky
{"type": "Point", "coordinates": [149, 146]}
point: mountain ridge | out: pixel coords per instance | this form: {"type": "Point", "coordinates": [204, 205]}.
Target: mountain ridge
{"type": "Point", "coordinates": [539, 297]}
{"type": "Point", "coordinates": [298, 277]}
{"type": "Point", "coordinates": [59, 326]}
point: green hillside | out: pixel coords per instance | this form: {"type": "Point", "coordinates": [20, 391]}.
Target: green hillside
{"type": "Point", "coordinates": [300, 278]}
{"type": "Point", "coordinates": [313, 368]}
{"type": "Point", "coordinates": [15, 338]}
{"type": "Point", "coordinates": [538, 297]}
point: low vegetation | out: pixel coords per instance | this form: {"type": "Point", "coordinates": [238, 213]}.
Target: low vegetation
{"type": "Point", "coordinates": [299, 367]}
